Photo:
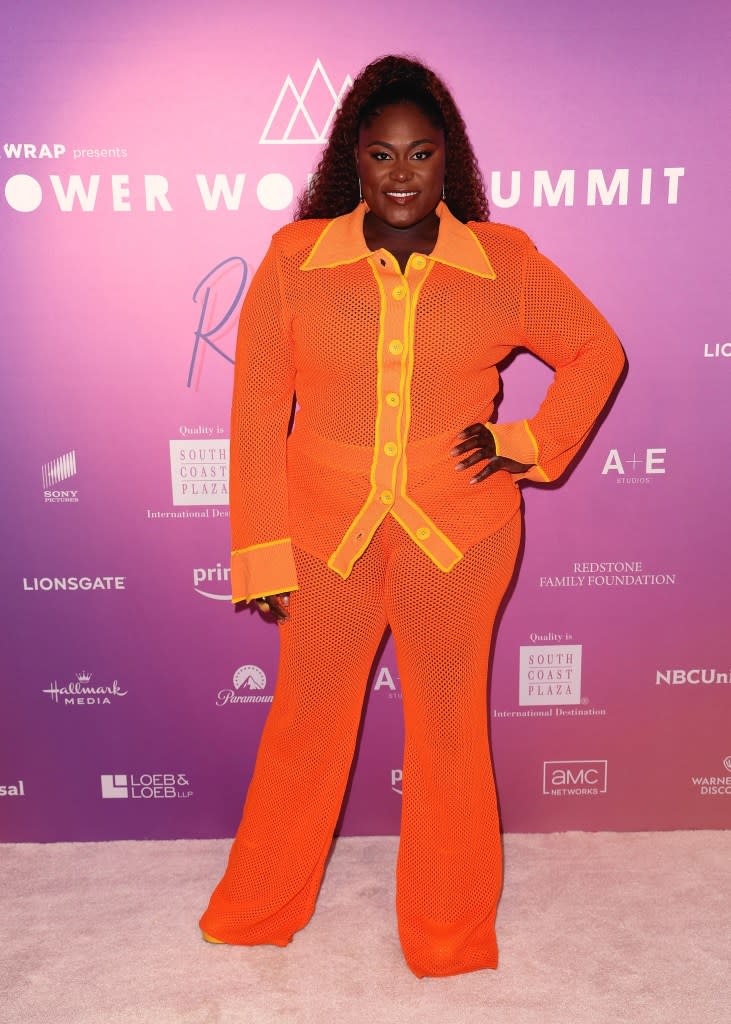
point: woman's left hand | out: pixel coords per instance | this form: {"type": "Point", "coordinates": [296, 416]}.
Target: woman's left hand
{"type": "Point", "coordinates": [479, 438]}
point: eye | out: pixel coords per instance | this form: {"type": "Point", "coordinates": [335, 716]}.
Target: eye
{"type": "Point", "coordinates": [381, 156]}
{"type": "Point", "coordinates": [423, 154]}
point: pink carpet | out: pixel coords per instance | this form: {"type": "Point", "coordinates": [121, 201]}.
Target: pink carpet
{"type": "Point", "coordinates": [594, 928]}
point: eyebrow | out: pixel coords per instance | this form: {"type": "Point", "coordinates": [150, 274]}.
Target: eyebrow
{"type": "Point", "coordinates": [387, 145]}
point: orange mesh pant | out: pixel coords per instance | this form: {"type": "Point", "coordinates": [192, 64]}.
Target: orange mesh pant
{"type": "Point", "coordinates": [449, 865]}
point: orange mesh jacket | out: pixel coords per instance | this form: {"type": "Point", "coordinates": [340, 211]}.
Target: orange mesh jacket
{"type": "Point", "coordinates": [387, 368]}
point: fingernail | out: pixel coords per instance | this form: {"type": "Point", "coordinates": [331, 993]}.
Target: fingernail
{"type": "Point", "coordinates": [286, 598]}
{"type": "Point", "coordinates": [460, 465]}
{"type": "Point", "coordinates": [454, 452]}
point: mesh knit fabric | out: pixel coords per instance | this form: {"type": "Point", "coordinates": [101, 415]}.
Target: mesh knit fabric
{"type": "Point", "coordinates": [387, 369]}
{"type": "Point", "coordinates": [359, 514]}
{"type": "Point", "coordinates": [449, 866]}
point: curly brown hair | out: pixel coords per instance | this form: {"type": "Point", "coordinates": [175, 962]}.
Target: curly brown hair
{"type": "Point", "coordinates": [382, 83]}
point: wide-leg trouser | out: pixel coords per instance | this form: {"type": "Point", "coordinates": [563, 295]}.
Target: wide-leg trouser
{"type": "Point", "coordinates": [449, 865]}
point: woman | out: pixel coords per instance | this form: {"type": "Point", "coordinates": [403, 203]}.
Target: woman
{"type": "Point", "coordinates": [385, 308]}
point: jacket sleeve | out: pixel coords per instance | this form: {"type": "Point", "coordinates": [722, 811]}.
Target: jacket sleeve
{"type": "Point", "coordinates": [262, 561]}
{"type": "Point", "coordinates": [562, 327]}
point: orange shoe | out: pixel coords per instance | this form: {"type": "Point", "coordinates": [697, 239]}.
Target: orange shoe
{"type": "Point", "coordinates": [209, 938]}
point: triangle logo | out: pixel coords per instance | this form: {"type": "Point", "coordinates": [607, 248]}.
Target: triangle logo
{"type": "Point", "coordinates": [299, 118]}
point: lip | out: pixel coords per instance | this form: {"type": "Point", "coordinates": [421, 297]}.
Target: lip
{"type": "Point", "coordinates": [401, 196]}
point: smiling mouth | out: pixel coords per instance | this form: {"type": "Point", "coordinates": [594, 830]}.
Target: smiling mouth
{"type": "Point", "coordinates": [401, 197]}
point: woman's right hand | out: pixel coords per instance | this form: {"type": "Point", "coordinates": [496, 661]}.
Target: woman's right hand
{"type": "Point", "coordinates": [275, 605]}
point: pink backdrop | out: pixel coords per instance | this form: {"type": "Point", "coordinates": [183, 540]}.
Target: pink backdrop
{"type": "Point", "coordinates": [147, 155]}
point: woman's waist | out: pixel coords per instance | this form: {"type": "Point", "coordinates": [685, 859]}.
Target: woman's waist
{"type": "Point", "coordinates": [358, 457]}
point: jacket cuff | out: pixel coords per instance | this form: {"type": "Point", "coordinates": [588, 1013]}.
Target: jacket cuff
{"type": "Point", "coordinates": [262, 570]}
{"type": "Point", "coordinates": [517, 441]}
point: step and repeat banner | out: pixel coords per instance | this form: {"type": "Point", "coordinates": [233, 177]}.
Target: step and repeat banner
{"type": "Point", "coordinates": [147, 155]}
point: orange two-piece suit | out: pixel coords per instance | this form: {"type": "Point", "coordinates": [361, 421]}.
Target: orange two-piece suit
{"type": "Point", "coordinates": [360, 515]}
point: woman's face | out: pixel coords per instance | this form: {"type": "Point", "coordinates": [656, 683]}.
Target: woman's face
{"type": "Point", "coordinates": [400, 160]}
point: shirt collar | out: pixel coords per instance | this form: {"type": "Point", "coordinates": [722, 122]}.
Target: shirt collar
{"type": "Point", "coordinates": [341, 241]}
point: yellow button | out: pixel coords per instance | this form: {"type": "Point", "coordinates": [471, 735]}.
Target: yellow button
{"type": "Point", "coordinates": [395, 347]}
{"type": "Point", "coordinates": [419, 262]}
{"type": "Point", "coordinates": [398, 292]}
{"type": "Point", "coordinates": [423, 532]}
{"type": "Point", "coordinates": [392, 398]}
{"type": "Point", "coordinates": [386, 497]}
{"type": "Point", "coordinates": [390, 447]}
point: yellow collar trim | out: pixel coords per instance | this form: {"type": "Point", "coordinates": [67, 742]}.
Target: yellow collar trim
{"type": "Point", "coordinates": [342, 241]}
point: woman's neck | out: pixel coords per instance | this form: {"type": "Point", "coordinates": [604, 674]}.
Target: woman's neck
{"type": "Point", "coordinates": [420, 237]}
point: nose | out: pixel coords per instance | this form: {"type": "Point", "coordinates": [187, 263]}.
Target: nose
{"type": "Point", "coordinates": [400, 170]}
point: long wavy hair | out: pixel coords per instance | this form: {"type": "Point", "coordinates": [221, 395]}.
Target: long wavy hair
{"type": "Point", "coordinates": [386, 81]}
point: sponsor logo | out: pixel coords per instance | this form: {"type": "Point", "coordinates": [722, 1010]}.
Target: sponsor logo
{"type": "Point", "coordinates": [246, 678]}
{"type": "Point", "coordinates": [714, 785]}
{"type": "Point", "coordinates": [83, 691]}
{"type": "Point", "coordinates": [550, 680]}
{"type": "Point", "coordinates": [717, 350]}
{"type": "Point", "coordinates": [608, 574]}
{"type": "Point", "coordinates": [61, 468]}
{"type": "Point", "coordinates": [215, 506]}
{"type": "Point", "coordinates": [251, 676]}
{"type": "Point", "coordinates": [385, 681]}
{"type": "Point", "coordinates": [55, 150]}
{"type": "Point", "coordinates": [550, 674]}
{"type": "Point", "coordinates": [304, 117]}
{"type": "Point", "coordinates": [651, 462]}
{"type": "Point", "coordinates": [33, 150]}
{"type": "Point", "coordinates": [574, 778]}
{"type": "Point", "coordinates": [199, 472]}
{"type": "Point", "coordinates": [692, 677]}
{"type": "Point", "coordinates": [219, 574]}
{"type": "Point", "coordinates": [397, 776]}
{"type": "Point", "coordinates": [146, 786]}
{"type": "Point", "coordinates": [14, 789]}
{"type": "Point", "coordinates": [49, 583]}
